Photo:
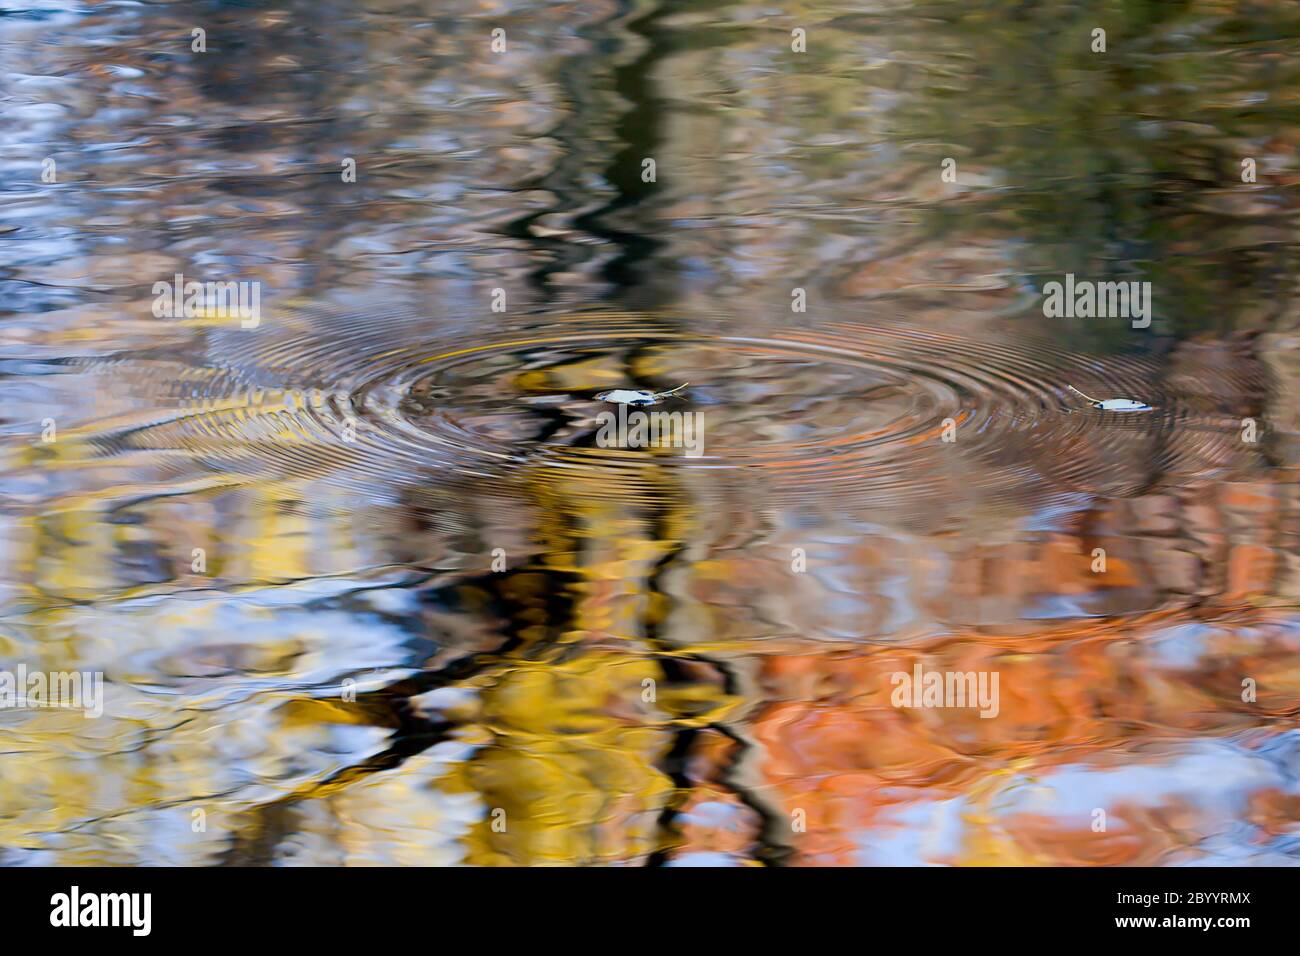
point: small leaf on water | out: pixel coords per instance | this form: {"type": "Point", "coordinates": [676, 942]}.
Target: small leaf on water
{"type": "Point", "coordinates": [637, 396]}
{"type": "Point", "coordinates": [1123, 405]}
{"type": "Point", "coordinates": [1113, 404]}
{"type": "Point", "coordinates": [628, 396]}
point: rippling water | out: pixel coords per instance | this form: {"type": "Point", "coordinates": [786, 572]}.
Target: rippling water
{"type": "Point", "coordinates": [364, 581]}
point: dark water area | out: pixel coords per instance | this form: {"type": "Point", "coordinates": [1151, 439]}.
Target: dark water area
{"type": "Point", "coordinates": [365, 576]}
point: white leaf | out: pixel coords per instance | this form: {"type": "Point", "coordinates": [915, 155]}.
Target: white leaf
{"type": "Point", "coordinates": [628, 396]}
{"type": "Point", "coordinates": [1123, 405]}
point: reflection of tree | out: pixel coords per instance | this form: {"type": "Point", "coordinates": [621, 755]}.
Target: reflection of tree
{"type": "Point", "coordinates": [1110, 166]}
{"type": "Point", "coordinates": [626, 117]}
{"type": "Point", "coordinates": [582, 715]}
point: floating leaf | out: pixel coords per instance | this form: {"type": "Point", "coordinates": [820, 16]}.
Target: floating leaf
{"type": "Point", "coordinates": [1114, 404]}
{"type": "Point", "coordinates": [636, 396]}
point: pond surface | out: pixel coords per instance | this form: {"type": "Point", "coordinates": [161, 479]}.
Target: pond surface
{"type": "Point", "coordinates": [368, 584]}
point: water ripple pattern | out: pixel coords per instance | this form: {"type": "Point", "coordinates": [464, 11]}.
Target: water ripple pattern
{"type": "Point", "coordinates": [888, 414]}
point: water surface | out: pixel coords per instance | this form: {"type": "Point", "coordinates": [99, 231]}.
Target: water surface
{"type": "Point", "coordinates": [366, 588]}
